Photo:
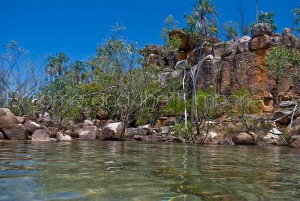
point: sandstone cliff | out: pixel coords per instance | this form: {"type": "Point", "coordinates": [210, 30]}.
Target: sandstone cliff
{"type": "Point", "coordinates": [229, 66]}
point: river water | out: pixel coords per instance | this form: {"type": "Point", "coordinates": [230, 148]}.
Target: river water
{"type": "Point", "coordinates": [140, 171]}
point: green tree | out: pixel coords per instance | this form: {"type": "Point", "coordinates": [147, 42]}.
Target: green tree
{"type": "Point", "coordinates": [242, 104]}
{"type": "Point", "coordinates": [279, 61]}
{"type": "Point", "coordinates": [131, 88]}
{"type": "Point", "coordinates": [57, 64]}
{"type": "Point", "coordinates": [203, 17]}
{"type": "Point", "coordinates": [296, 19]}
{"type": "Point", "coordinates": [268, 17]}
{"type": "Point", "coordinates": [198, 23]}
{"type": "Point", "coordinates": [231, 30]}
{"type": "Point", "coordinates": [170, 24]}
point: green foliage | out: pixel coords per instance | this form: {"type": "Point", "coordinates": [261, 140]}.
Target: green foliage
{"type": "Point", "coordinates": [57, 64]}
{"type": "Point", "coordinates": [170, 24]}
{"type": "Point", "coordinates": [242, 104]}
{"type": "Point", "coordinates": [280, 60]}
{"type": "Point", "coordinates": [175, 106]}
{"type": "Point", "coordinates": [173, 43]}
{"type": "Point", "coordinates": [181, 130]}
{"type": "Point", "coordinates": [268, 17]}
{"type": "Point", "coordinates": [209, 104]}
{"type": "Point", "coordinates": [231, 30]}
{"type": "Point", "coordinates": [203, 18]}
{"type": "Point", "coordinates": [296, 19]}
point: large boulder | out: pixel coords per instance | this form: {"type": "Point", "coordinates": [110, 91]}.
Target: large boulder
{"type": "Point", "coordinates": [16, 133]}
{"type": "Point", "coordinates": [41, 135]}
{"type": "Point", "coordinates": [31, 126]}
{"type": "Point", "coordinates": [131, 132]}
{"type": "Point", "coordinates": [245, 138]}
{"type": "Point", "coordinates": [112, 131]}
{"type": "Point", "coordinates": [261, 29]}
{"type": "Point", "coordinates": [7, 119]}
{"type": "Point", "coordinates": [87, 132]}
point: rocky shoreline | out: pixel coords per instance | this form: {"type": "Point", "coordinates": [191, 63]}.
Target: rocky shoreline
{"type": "Point", "coordinates": [225, 132]}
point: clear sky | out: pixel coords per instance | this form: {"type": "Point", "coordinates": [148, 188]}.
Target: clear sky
{"type": "Point", "coordinates": [76, 27]}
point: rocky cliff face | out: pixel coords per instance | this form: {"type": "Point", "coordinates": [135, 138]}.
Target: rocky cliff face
{"type": "Point", "coordinates": [231, 65]}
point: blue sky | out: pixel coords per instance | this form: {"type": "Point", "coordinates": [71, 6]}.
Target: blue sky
{"type": "Point", "coordinates": [76, 27]}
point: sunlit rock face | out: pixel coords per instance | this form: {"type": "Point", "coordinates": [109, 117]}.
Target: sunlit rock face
{"type": "Point", "coordinates": [231, 65]}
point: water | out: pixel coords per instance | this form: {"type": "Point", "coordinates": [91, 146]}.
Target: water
{"type": "Point", "coordinates": [140, 171]}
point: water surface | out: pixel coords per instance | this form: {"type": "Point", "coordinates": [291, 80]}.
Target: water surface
{"type": "Point", "coordinates": [141, 171]}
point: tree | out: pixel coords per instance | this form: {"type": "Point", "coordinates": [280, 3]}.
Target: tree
{"type": "Point", "coordinates": [245, 28]}
{"type": "Point", "coordinates": [256, 11]}
{"type": "Point", "coordinates": [19, 81]}
{"type": "Point", "coordinates": [296, 19]}
{"type": "Point", "coordinates": [170, 24]}
{"type": "Point", "coordinates": [198, 22]}
{"type": "Point", "coordinates": [279, 61]}
{"type": "Point", "coordinates": [203, 17]}
{"type": "Point", "coordinates": [230, 29]}
{"type": "Point", "coordinates": [57, 64]}
{"type": "Point", "coordinates": [268, 17]}
{"type": "Point", "coordinates": [242, 103]}
{"type": "Point", "coordinates": [131, 89]}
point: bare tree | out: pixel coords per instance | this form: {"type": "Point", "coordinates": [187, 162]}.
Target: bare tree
{"type": "Point", "coordinates": [18, 80]}
{"type": "Point", "coordinates": [245, 28]}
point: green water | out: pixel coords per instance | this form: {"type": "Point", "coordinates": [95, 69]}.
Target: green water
{"type": "Point", "coordinates": [141, 171]}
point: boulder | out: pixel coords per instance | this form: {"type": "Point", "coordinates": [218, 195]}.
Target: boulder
{"type": "Point", "coordinates": [31, 126]}
{"type": "Point", "coordinates": [218, 49]}
{"type": "Point", "coordinates": [261, 29]}
{"type": "Point", "coordinates": [112, 131]}
{"type": "Point", "coordinates": [136, 131]}
{"type": "Point", "coordinates": [243, 44]}
{"type": "Point", "coordinates": [245, 138]}
{"type": "Point", "coordinates": [231, 49]}
{"type": "Point", "coordinates": [165, 130]}
{"type": "Point", "coordinates": [21, 119]}
{"type": "Point", "coordinates": [87, 132]}
{"type": "Point", "coordinates": [41, 135]}
{"type": "Point", "coordinates": [148, 128]}
{"type": "Point", "coordinates": [88, 123]}
{"type": "Point", "coordinates": [261, 42]}
{"type": "Point", "coordinates": [289, 40]}
{"type": "Point", "coordinates": [156, 60]}
{"type": "Point", "coordinates": [295, 143]}
{"type": "Point", "coordinates": [16, 133]}
{"type": "Point", "coordinates": [61, 137]}
{"type": "Point", "coordinates": [7, 119]}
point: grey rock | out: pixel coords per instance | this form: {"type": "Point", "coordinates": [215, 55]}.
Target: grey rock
{"type": "Point", "coordinates": [261, 29]}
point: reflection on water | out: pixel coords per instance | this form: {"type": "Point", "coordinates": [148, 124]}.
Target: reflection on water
{"type": "Point", "coordinates": [141, 171]}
